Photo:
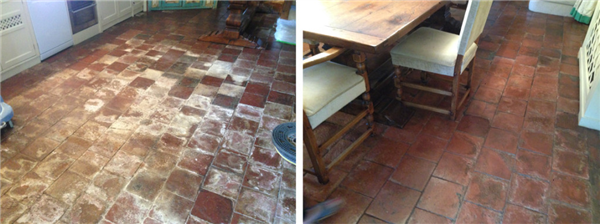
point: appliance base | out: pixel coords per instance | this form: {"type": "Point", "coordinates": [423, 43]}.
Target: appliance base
{"type": "Point", "coordinates": [56, 49]}
{"type": "Point", "coordinates": [86, 34]}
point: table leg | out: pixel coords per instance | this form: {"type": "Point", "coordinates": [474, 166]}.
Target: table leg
{"type": "Point", "coordinates": [359, 58]}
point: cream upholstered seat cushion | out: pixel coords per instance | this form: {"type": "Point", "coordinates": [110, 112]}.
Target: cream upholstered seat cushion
{"type": "Point", "coordinates": [431, 50]}
{"type": "Point", "coordinates": [327, 88]}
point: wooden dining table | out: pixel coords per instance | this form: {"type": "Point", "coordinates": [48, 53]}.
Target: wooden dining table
{"type": "Point", "coordinates": [365, 27]}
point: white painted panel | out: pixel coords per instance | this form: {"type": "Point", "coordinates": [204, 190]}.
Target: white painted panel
{"type": "Point", "coordinates": [107, 12]}
{"type": "Point", "coordinates": [589, 75]}
{"type": "Point", "coordinates": [52, 35]}
{"type": "Point", "coordinates": [124, 7]}
{"type": "Point", "coordinates": [16, 36]}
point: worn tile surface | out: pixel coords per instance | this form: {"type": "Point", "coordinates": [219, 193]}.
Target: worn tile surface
{"type": "Point", "coordinates": [135, 125]}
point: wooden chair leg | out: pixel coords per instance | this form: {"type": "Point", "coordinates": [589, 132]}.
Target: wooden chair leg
{"type": "Point", "coordinates": [359, 58]}
{"type": "Point", "coordinates": [310, 141]}
{"type": "Point", "coordinates": [424, 77]}
{"type": "Point", "coordinates": [314, 48]}
{"type": "Point", "coordinates": [471, 67]}
{"type": "Point", "coordinates": [367, 101]}
{"type": "Point", "coordinates": [398, 82]}
{"type": "Point", "coordinates": [454, 104]}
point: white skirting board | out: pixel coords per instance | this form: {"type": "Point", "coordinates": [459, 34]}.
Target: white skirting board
{"type": "Point", "coordinates": [561, 8]}
{"type": "Point", "coordinates": [589, 75]}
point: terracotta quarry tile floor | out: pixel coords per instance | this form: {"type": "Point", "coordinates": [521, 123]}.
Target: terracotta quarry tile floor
{"type": "Point", "coordinates": [514, 155]}
{"type": "Point", "coordinates": [144, 123]}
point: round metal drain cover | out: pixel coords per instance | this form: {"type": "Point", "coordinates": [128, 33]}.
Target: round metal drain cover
{"type": "Point", "coordinates": [284, 139]}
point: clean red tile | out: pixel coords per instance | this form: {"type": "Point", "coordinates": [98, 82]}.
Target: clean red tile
{"type": "Point", "coordinates": [538, 142]}
{"type": "Point", "coordinates": [564, 214]}
{"type": "Point", "coordinates": [428, 147]}
{"type": "Point", "coordinates": [454, 168]}
{"type": "Point", "coordinates": [355, 206]}
{"type": "Point", "coordinates": [512, 106]}
{"type": "Point", "coordinates": [509, 122]}
{"type": "Point", "coordinates": [387, 152]}
{"type": "Point", "coordinates": [544, 108]}
{"type": "Point", "coordinates": [570, 163]}
{"type": "Point", "coordinates": [367, 178]}
{"type": "Point", "coordinates": [471, 213]}
{"type": "Point", "coordinates": [413, 172]}
{"type": "Point", "coordinates": [488, 95]}
{"type": "Point", "coordinates": [465, 144]}
{"type": "Point", "coordinates": [394, 203]}
{"type": "Point", "coordinates": [518, 214]}
{"type": "Point", "coordinates": [407, 134]}
{"type": "Point", "coordinates": [441, 197]}
{"type": "Point", "coordinates": [533, 164]}
{"type": "Point", "coordinates": [422, 216]}
{"type": "Point", "coordinates": [314, 190]}
{"type": "Point", "coordinates": [440, 126]}
{"type": "Point", "coordinates": [570, 190]}
{"type": "Point", "coordinates": [495, 163]}
{"type": "Point", "coordinates": [569, 140]}
{"type": "Point", "coordinates": [487, 191]}
{"type": "Point", "coordinates": [502, 140]}
{"type": "Point", "coordinates": [529, 193]}
{"type": "Point", "coordinates": [474, 125]}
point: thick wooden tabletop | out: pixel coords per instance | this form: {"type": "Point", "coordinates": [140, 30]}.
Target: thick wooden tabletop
{"type": "Point", "coordinates": [364, 25]}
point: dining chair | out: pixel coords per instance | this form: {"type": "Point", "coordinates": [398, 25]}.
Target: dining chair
{"type": "Point", "coordinates": [434, 51]}
{"type": "Point", "coordinates": [328, 87]}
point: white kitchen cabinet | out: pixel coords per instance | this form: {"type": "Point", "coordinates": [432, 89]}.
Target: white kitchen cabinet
{"type": "Point", "coordinates": [111, 12]}
{"type": "Point", "coordinates": [589, 75]}
{"type": "Point", "coordinates": [18, 50]}
{"type": "Point", "coordinates": [124, 8]}
{"type": "Point", "coordinates": [137, 6]}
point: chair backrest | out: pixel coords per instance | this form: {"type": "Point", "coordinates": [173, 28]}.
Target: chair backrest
{"type": "Point", "coordinates": [473, 23]}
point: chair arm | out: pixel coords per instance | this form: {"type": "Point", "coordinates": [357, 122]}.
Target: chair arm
{"type": "Point", "coordinates": [322, 57]}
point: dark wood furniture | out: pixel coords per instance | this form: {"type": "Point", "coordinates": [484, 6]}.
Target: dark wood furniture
{"type": "Point", "coordinates": [366, 26]}
{"type": "Point", "coordinates": [371, 27]}
{"type": "Point", "coordinates": [316, 151]}
{"type": "Point", "coordinates": [431, 51]}
{"type": "Point", "coordinates": [240, 15]}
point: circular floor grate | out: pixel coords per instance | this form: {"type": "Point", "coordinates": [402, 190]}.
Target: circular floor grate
{"type": "Point", "coordinates": [284, 139]}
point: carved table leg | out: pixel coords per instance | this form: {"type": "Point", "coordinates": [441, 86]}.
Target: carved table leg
{"type": "Point", "coordinates": [359, 58]}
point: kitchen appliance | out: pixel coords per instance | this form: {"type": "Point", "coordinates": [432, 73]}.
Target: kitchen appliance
{"type": "Point", "coordinates": [51, 26]}
{"type": "Point", "coordinates": [83, 14]}
{"type": "Point", "coordinates": [6, 114]}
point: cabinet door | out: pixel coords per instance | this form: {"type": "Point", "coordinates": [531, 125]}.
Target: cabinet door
{"type": "Point", "coordinates": [16, 35]}
{"type": "Point", "coordinates": [171, 3]}
{"type": "Point", "coordinates": [137, 6]}
{"type": "Point", "coordinates": [107, 11]}
{"type": "Point", "coordinates": [124, 7]}
{"type": "Point", "coordinates": [192, 3]}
